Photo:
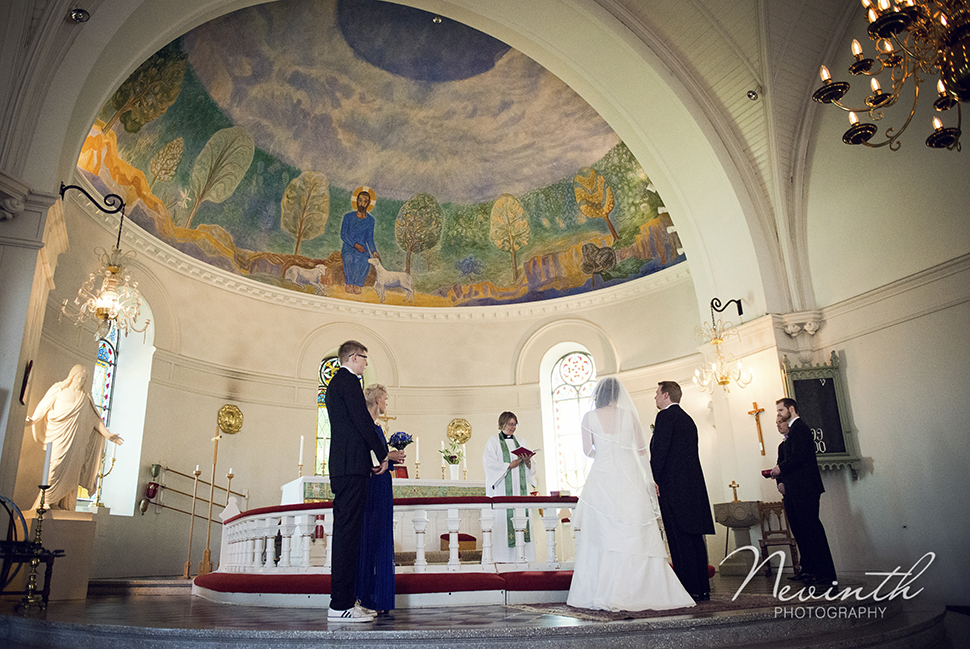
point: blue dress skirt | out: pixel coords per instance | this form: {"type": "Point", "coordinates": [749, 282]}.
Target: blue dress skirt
{"type": "Point", "coordinates": [375, 566]}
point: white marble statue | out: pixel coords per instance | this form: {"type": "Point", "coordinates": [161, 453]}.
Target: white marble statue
{"type": "Point", "coordinates": [67, 419]}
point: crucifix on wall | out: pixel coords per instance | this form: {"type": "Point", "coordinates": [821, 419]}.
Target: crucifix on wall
{"type": "Point", "coordinates": [757, 420]}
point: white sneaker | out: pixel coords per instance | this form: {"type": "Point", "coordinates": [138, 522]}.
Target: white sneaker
{"type": "Point", "coordinates": [355, 614]}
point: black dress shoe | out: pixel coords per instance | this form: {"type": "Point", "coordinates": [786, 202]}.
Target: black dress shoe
{"type": "Point", "coordinates": [802, 576]}
{"type": "Point", "coordinates": [701, 597]}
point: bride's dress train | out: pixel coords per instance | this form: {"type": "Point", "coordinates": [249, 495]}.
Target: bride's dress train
{"type": "Point", "coordinates": [621, 561]}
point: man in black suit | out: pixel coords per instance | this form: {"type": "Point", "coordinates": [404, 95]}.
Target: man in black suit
{"type": "Point", "coordinates": [684, 505]}
{"type": "Point", "coordinates": [800, 484]}
{"type": "Point", "coordinates": [352, 438]}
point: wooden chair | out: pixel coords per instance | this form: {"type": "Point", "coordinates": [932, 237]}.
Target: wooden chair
{"type": "Point", "coordinates": [775, 531]}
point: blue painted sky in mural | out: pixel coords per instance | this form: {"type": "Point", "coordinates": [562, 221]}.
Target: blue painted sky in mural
{"type": "Point", "coordinates": [416, 44]}
{"type": "Point", "coordinates": [285, 72]}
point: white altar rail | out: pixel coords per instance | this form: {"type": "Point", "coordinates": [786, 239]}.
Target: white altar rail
{"type": "Point", "coordinates": [249, 539]}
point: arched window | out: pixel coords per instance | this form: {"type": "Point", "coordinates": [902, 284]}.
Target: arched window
{"type": "Point", "coordinates": [328, 367]}
{"type": "Point", "coordinates": [102, 386]}
{"type": "Point", "coordinates": [573, 380]}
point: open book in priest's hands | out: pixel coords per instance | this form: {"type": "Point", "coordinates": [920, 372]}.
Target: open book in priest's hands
{"type": "Point", "coordinates": [523, 454]}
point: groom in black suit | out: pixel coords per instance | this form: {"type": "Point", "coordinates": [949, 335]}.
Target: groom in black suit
{"type": "Point", "coordinates": [800, 483]}
{"type": "Point", "coordinates": [352, 438]}
{"type": "Point", "coordinates": [684, 505]}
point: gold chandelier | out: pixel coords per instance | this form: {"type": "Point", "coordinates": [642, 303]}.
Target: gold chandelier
{"type": "Point", "coordinates": [725, 368]}
{"type": "Point", "coordinates": [914, 39]}
{"type": "Point", "coordinates": [116, 299]}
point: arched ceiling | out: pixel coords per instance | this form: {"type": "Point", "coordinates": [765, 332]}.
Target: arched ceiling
{"type": "Point", "coordinates": [669, 77]}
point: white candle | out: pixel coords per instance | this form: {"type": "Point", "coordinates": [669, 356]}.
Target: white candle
{"type": "Point", "coordinates": [443, 455]}
{"type": "Point", "coordinates": [230, 469]}
{"type": "Point", "coordinates": [301, 449]}
{"type": "Point", "coordinates": [196, 468]}
{"type": "Point", "coordinates": [417, 449]}
{"type": "Point", "coordinates": [464, 457]}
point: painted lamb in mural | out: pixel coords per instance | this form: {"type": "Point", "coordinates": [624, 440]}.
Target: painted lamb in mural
{"type": "Point", "coordinates": [391, 279]}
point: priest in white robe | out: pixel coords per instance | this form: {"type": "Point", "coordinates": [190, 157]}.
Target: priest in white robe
{"type": "Point", "coordinates": [506, 474]}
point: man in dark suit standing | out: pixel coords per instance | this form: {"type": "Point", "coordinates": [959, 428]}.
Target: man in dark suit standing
{"type": "Point", "coordinates": [800, 484]}
{"type": "Point", "coordinates": [352, 438]}
{"type": "Point", "coordinates": [684, 505]}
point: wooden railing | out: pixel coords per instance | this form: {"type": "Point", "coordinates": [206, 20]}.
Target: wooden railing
{"type": "Point", "coordinates": [249, 539]}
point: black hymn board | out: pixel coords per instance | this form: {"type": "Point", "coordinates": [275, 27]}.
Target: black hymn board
{"type": "Point", "coordinates": [821, 405]}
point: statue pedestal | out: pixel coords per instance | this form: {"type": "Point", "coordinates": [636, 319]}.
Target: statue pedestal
{"type": "Point", "coordinates": [74, 533]}
{"type": "Point", "coordinates": [739, 516]}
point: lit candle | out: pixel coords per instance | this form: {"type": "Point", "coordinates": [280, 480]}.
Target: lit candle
{"type": "Point", "coordinates": [937, 124]}
{"type": "Point", "coordinates": [856, 48]}
{"type": "Point", "coordinates": [867, 3]}
{"type": "Point", "coordinates": [872, 15]}
{"type": "Point", "coordinates": [940, 88]}
{"type": "Point", "coordinates": [883, 5]}
{"type": "Point", "coordinates": [823, 72]}
{"type": "Point", "coordinates": [301, 449]}
{"type": "Point", "coordinates": [853, 118]}
{"type": "Point", "coordinates": [876, 88]}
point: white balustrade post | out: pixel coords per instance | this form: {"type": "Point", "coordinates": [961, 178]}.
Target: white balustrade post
{"type": "Point", "coordinates": [249, 551]}
{"type": "Point", "coordinates": [420, 522]}
{"type": "Point", "coordinates": [306, 529]}
{"type": "Point", "coordinates": [488, 520]}
{"type": "Point", "coordinates": [260, 543]}
{"type": "Point", "coordinates": [286, 530]}
{"type": "Point", "coordinates": [550, 520]}
{"type": "Point", "coordinates": [453, 521]}
{"type": "Point", "coordinates": [520, 518]}
{"type": "Point", "coordinates": [328, 532]}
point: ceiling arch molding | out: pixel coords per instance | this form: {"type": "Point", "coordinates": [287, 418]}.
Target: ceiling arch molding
{"type": "Point", "coordinates": [326, 339]}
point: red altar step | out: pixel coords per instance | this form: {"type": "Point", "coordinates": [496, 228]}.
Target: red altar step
{"type": "Point", "coordinates": [415, 589]}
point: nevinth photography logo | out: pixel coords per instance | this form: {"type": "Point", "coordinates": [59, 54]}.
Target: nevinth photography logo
{"type": "Point", "coordinates": [831, 600]}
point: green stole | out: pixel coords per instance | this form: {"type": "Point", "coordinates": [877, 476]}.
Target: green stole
{"type": "Point", "coordinates": [523, 490]}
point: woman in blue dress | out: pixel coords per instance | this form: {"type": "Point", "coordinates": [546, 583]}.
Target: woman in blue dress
{"type": "Point", "coordinates": [357, 235]}
{"type": "Point", "coordinates": [375, 566]}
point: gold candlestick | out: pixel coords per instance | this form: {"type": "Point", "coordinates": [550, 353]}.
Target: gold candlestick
{"type": "Point", "coordinates": [300, 471]}
{"type": "Point", "coordinates": [229, 477]}
{"type": "Point", "coordinates": [32, 597]}
{"type": "Point", "coordinates": [205, 566]}
{"type": "Point", "coordinates": [187, 568]}
{"type": "Point", "coordinates": [417, 469]}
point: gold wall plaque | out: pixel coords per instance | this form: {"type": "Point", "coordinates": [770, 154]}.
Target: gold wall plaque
{"type": "Point", "coordinates": [230, 419]}
{"type": "Point", "coordinates": [459, 430]}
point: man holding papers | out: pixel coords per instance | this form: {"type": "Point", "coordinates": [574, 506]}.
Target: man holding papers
{"type": "Point", "coordinates": [508, 473]}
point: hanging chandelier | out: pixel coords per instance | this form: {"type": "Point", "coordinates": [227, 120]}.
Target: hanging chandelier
{"type": "Point", "coordinates": [725, 368]}
{"type": "Point", "coordinates": [914, 39]}
{"type": "Point", "coordinates": [116, 298]}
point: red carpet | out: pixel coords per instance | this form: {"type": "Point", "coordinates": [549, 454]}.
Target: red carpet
{"type": "Point", "coordinates": [405, 584]}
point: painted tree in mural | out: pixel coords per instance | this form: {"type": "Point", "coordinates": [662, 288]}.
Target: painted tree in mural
{"type": "Point", "coordinates": [510, 228]}
{"type": "Point", "coordinates": [418, 225]}
{"type": "Point", "coordinates": [220, 167]}
{"type": "Point", "coordinates": [594, 197]}
{"type": "Point", "coordinates": [150, 89]}
{"type": "Point", "coordinates": [165, 163]}
{"type": "Point", "coordinates": [305, 207]}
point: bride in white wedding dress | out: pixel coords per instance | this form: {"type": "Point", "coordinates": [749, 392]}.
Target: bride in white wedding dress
{"type": "Point", "coordinates": [621, 562]}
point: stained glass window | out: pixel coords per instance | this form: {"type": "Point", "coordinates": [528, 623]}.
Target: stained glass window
{"type": "Point", "coordinates": [103, 383]}
{"type": "Point", "coordinates": [573, 380]}
{"type": "Point", "coordinates": [328, 367]}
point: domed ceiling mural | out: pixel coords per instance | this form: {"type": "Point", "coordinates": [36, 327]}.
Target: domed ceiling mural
{"type": "Point", "coordinates": [367, 151]}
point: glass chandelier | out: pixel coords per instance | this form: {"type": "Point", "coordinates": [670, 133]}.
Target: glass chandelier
{"type": "Point", "coordinates": [109, 294]}
{"type": "Point", "coordinates": [914, 39]}
{"type": "Point", "coordinates": [725, 368]}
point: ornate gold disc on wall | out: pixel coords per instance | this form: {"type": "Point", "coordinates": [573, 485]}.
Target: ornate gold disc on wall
{"type": "Point", "coordinates": [459, 430]}
{"type": "Point", "coordinates": [230, 419]}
